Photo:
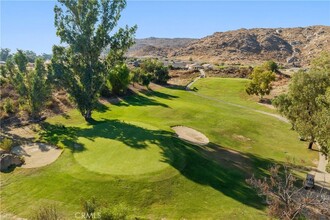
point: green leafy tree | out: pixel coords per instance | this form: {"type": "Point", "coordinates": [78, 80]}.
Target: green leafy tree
{"type": "Point", "coordinates": [46, 56]}
{"type": "Point", "coordinates": [119, 78]}
{"type": "Point", "coordinates": [136, 75]}
{"type": "Point", "coordinates": [21, 61]}
{"type": "Point", "coordinates": [3, 71]}
{"type": "Point", "coordinates": [146, 79]}
{"type": "Point", "coordinates": [85, 26]}
{"type": "Point", "coordinates": [300, 104]}
{"type": "Point", "coordinates": [323, 122]}
{"type": "Point", "coordinates": [30, 55]}
{"type": "Point", "coordinates": [322, 62]}
{"type": "Point", "coordinates": [4, 54]}
{"type": "Point", "coordinates": [156, 69]}
{"type": "Point", "coordinates": [260, 83]}
{"type": "Point", "coordinates": [32, 85]}
{"type": "Point", "coordinates": [39, 88]}
{"type": "Point", "coordinates": [270, 65]}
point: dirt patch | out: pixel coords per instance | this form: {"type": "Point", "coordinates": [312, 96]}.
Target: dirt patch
{"type": "Point", "coordinates": [241, 138]}
{"type": "Point", "coordinates": [191, 135]}
{"type": "Point", "coordinates": [37, 154]}
{"type": "Point", "coordinates": [182, 77]}
{"type": "Point", "coordinates": [23, 132]}
{"type": "Point", "coordinates": [9, 216]}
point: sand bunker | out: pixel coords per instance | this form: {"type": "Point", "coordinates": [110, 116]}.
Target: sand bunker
{"type": "Point", "coordinates": [191, 135]}
{"type": "Point", "coordinates": [37, 154]}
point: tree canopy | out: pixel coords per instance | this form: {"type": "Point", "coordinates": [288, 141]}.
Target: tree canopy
{"type": "Point", "coordinates": [85, 26]}
{"type": "Point", "coordinates": [32, 85]}
{"type": "Point", "coordinates": [156, 69]}
{"type": "Point", "coordinates": [260, 83]}
{"type": "Point", "coordinates": [306, 104]}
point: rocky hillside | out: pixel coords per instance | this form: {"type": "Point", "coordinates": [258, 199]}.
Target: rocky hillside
{"type": "Point", "coordinates": [294, 46]}
{"type": "Point", "coordinates": [161, 47]}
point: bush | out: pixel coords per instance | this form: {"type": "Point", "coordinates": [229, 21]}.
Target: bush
{"type": "Point", "coordinates": [8, 106]}
{"type": "Point", "coordinates": [270, 65]}
{"type": "Point", "coordinates": [6, 144]}
{"type": "Point", "coordinates": [157, 69]}
{"type": "Point", "coordinates": [118, 212]}
{"type": "Point", "coordinates": [48, 212]}
{"type": "Point", "coordinates": [89, 207]}
{"type": "Point", "coordinates": [119, 78]}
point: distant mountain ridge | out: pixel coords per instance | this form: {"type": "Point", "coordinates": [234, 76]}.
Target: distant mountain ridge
{"type": "Point", "coordinates": [296, 46]}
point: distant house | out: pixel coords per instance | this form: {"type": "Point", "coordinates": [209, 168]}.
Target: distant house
{"type": "Point", "coordinates": [179, 65]}
{"type": "Point", "coordinates": [207, 66]}
{"type": "Point", "coordinates": [194, 66]}
{"type": "Point", "coordinates": [2, 62]}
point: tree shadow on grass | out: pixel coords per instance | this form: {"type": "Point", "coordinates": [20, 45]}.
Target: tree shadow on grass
{"type": "Point", "coordinates": [212, 165]}
{"type": "Point", "coordinates": [139, 100]}
{"type": "Point", "coordinates": [153, 93]}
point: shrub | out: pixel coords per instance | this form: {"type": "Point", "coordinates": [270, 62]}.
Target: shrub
{"type": "Point", "coordinates": [157, 69]}
{"type": "Point", "coordinates": [48, 212]}
{"type": "Point", "coordinates": [270, 65]}
{"type": "Point", "coordinates": [119, 78]}
{"type": "Point", "coordinates": [89, 207]}
{"type": "Point", "coordinates": [8, 106]}
{"type": "Point", "coordinates": [6, 144]}
{"type": "Point", "coordinates": [118, 212]}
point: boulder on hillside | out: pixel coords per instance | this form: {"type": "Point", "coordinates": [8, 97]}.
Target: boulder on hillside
{"type": "Point", "coordinates": [8, 160]}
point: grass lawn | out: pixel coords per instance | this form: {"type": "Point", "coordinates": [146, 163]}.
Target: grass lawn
{"type": "Point", "coordinates": [129, 154]}
{"type": "Point", "coordinates": [230, 90]}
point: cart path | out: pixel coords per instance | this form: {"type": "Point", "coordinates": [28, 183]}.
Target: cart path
{"type": "Point", "coordinates": [322, 177]}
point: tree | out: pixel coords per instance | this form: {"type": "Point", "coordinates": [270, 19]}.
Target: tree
{"type": "Point", "coordinates": [21, 61]}
{"type": "Point", "coordinates": [323, 122]}
{"type": "Point", "coordinates": [140, 76]}
{"type": "Point", "coordinates": [260, 83]}
{"type": "Point", "coordinates": [4, 54]}
{"type": "Point", "coordinates": [306, 103]}
{"type": "Point", "coordinates": [286, 200]}
{"type": "Point", "coordinates": [119, 78]}
{"type": "Point", "coordinates": [322, 62]}
{"type": "Point", "coordinates": [39, 88]}
{"type": "Point", "coordinates": [270, 65]}
{"type": "Point", "coordinates": [156, 69]}
{"type": "Point", "coordinates": [30, 55]}
{"type": "Point", "coordinates": [31, 85]}
{"type": "Point", "coordinates": [85, 26]}
{"type": "Point", "coordinates": [46, 56]}
{"type": "Point", "coordinates": [300, 105]}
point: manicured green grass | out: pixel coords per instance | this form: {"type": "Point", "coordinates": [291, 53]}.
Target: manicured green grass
{"type": "Point", "coordinates": [129, 154]}
{"type": "Point", "coordinates": [231, 90]}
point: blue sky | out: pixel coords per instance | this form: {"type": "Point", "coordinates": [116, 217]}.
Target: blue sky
{"type": "Point", "coordinates": [29, 25]}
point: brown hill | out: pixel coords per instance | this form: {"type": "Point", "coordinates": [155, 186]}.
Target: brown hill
{"type": "Point", "coordinates": [294, 46]}
{"type": "Point", "coordinates": [159, 47]}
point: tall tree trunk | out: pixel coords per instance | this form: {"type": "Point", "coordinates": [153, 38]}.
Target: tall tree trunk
{"type": "Point", "coordinates": [88, 115]}
{"type": "Point", "coordinates": [310, 145]}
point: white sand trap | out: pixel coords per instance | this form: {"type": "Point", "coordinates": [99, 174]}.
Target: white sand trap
{"type": "Point", "coordinates": [191, 135]}
{"type": "Point", "coordinates": [37, 154]}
